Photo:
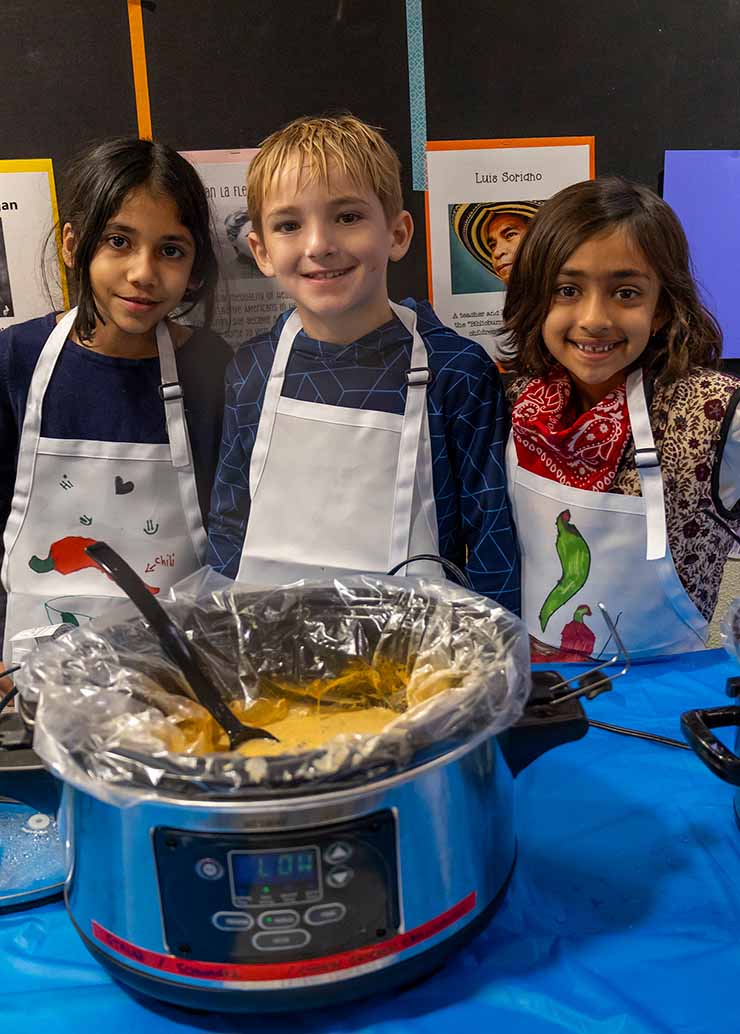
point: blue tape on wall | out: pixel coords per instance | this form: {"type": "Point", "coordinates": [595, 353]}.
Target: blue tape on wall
{"type": "Point", "coordinates": [417, 93]}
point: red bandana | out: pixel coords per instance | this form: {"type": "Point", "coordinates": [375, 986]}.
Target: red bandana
{"type": "Point", "coordinates": [553, 440]}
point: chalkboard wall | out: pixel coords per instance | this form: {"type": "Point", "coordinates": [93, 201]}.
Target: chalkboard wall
{"type": "Point", "coordinates": [641, 75]}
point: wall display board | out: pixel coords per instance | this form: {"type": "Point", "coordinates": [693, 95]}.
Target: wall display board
{"type": "Point", "coordinates": [703, 187]}
{"type": "Point", "coordinates": [28, 210]}
{"type": "Point", "coordinates": [481, 196]}
{"type": "Point", "coordinates": [227, 74]}
{"type": "Point", "coordinates": [247, 302]}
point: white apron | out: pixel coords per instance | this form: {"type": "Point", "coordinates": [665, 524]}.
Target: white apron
{"type": "Point", "coordinates": [336, 489]}
{"type": "Point", "coordinates": [630, 569]}
{"type": "Point", "coordinates": [140, 499]}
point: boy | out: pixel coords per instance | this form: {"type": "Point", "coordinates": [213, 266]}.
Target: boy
{"type": "Point", "coordinates": [356, 432]}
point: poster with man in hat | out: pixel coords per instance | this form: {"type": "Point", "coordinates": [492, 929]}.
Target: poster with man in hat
{"type": "Point", "coordinates": [472, 243]}
{"type": "Point", "coordinates": [484, 239]}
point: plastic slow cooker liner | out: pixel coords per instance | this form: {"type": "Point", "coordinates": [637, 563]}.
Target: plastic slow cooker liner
{"type": "Point", "coordinates": [104, 690]}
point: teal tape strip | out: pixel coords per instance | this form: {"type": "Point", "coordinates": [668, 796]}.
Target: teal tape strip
{"type": "Point", "coordinates": [417, 93]}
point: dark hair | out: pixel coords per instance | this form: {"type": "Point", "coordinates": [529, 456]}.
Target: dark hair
{"type": "Point", "coordinates": [690, 337]}
{"type": "Point", "coordinates": [96, 184]}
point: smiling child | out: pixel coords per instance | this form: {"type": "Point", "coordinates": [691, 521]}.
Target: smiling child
{"type": "Point", "coordinates": [623, 435]}
{"type": "Point", "coordinates": [357, 432]}
{"type": "Point", "coordinates": [110, 414]}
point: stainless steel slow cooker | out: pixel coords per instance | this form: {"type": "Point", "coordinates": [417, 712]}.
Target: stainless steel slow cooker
{"type": "Point", "coordinates": [296, 890]}
{"type": "Point", "coordinates": [280, 902]}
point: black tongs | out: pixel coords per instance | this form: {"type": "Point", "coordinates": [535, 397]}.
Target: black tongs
{"type": "Point", "coordinates": [175, 644]}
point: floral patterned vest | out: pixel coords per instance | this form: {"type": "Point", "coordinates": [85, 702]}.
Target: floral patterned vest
{"type": "Point", "coordinates": [687, 421]}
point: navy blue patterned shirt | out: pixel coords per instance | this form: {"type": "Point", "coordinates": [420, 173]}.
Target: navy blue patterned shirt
{"type": "Point", "coordinates": [468, 428]}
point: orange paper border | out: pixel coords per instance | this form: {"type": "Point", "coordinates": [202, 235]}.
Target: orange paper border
{"type": "Point", "coordinates": [138, 62]}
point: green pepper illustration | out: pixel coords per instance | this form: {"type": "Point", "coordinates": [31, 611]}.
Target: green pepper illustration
{"type": "Point", "coordinates": [575, 561]}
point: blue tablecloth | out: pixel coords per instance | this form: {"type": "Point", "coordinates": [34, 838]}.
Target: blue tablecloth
{"type": "Point", "coordinates": [623, 916]}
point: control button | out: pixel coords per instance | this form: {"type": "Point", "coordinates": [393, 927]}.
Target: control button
{"type": "Point", "coordinates": [321, 914]}
{"type": "Point", "coordinates": [340, 876]}
{"type": "Point", "coordinates": [209, 869]}
{"type": "Point", "coordinates": [338, 852]}
{"type": "Point", "coordinates": [232, 921]}
{"type": "Point", "coordinates": [279, 940]}
{"type": "Point", "coordinates": [279, 920]}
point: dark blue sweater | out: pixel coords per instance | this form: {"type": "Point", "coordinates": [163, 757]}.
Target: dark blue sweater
{"type": "Point", "coordinates": [106, 398]}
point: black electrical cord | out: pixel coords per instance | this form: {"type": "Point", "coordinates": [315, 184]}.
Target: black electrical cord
{"type": "Point", "coordinates": [458, 574]}
{"type": "Point", "coordinates": [638, 734]}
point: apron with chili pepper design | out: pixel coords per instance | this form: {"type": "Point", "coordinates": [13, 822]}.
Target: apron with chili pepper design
{"type": "Point", "coordinates": [141, 499]}
{"type": "Point", "coordinates": [582, 548]}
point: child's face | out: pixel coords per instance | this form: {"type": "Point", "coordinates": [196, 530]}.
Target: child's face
{"type": "Point", "coordinates": [329, 248]}
{"type": "Point", "coordinates": [142, 265]}
{"type": "Point", "coordinates": [603, 313]}
{"type": "Point", "coordinates": [504, 234]}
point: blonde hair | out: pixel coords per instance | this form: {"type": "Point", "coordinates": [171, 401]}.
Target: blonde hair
{"type": "Point", "coordinates": [356, 149]}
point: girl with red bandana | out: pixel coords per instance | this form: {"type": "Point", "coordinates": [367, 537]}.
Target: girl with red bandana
{"type": "Point", "coordinates": [625, 442]}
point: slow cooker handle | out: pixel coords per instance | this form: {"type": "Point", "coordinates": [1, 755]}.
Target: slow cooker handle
{"type": "Point", "coordinates": [697, 729]}
{"type": "Point", "coordinates": [531, 737]}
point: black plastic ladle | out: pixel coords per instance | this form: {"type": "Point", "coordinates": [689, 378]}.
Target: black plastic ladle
{"type": "Point", "coordinates": [175, 644]}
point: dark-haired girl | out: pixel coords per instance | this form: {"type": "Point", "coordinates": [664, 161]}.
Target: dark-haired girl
{"type": "Point", "coordinates": [110, 414]}
{"type": "Point", "coordinates": [624, 434]}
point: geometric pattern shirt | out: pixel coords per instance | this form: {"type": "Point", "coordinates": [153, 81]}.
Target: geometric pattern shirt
{"type": "Point", "coordinates": [468, 426]}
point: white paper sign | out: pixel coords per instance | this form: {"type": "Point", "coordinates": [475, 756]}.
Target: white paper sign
{"type": "Point", "coordinates": [28, 211]}
{"type": "Point", "coordinates": [248, 303]}
{"type": "Point", "coordinates": [481, 196]}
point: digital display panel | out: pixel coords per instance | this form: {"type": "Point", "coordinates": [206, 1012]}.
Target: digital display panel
{"type": "Point", "coordinates": [288, 876]}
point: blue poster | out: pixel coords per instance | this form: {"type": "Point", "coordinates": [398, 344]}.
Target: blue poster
{"type": "Point", "coordinates": [703, 187]}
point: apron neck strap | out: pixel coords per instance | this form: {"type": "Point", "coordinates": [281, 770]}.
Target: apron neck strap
{"type": "Point", "coordinates": [417, 379]}
{"type": "Point", "coordinates": [170, 392]}
{"type": "Point", "coordinates": [648, 467]}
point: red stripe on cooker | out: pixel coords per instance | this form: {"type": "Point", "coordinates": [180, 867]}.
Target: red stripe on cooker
{"type": "Point", "coordinates": [241, 972]}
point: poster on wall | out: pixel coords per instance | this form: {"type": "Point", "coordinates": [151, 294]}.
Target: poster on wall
{"type": "Point", "coordinates": [248, 303]}
{"type": "Point", "coordinates": [703, 188]}
{"type": "Point", "coordinates": [481, 196]}
{"type": "Point", "coordinates": [28, 211]}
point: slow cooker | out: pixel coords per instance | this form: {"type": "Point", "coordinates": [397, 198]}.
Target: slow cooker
{"type": "Point", "coordinates": [252, 884]}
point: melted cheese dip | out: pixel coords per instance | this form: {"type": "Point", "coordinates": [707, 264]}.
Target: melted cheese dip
{"type": "Point", "coordinates": [307, 728]}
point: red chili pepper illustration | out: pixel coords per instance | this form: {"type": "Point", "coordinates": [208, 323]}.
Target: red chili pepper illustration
{"type": "Point", "coordinates": [576, 636]}
{"type": "Point", "coordinates": [68, 555]}
{"type": "Point", "coordinates": [576, 642]}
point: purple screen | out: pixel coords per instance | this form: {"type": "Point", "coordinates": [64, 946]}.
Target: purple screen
{"type": "Point", "coordinates": [703, 187]}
